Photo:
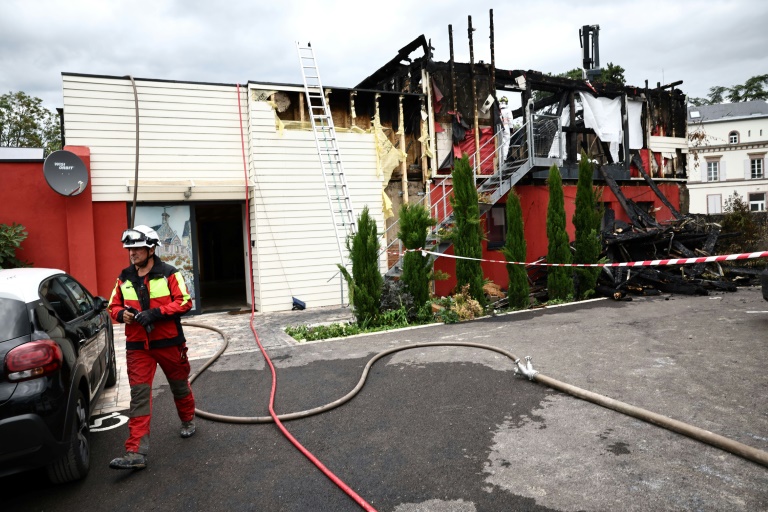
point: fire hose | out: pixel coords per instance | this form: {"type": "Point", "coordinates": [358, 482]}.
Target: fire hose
{"type": "Point", "coordinates": [524, 368]}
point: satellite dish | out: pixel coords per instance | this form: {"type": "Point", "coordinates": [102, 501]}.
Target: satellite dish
{"type": "Point", "coordinates": [65, 173]}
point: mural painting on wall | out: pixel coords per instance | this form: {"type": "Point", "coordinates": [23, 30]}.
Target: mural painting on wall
{"type": "Point", "coordinates": [173, 226]}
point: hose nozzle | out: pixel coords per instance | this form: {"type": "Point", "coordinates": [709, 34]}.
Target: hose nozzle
{"type": "Point", "coordinates": [526, 369]}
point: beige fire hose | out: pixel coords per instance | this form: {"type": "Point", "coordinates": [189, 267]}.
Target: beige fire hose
{"type": "Point", "coordinates": [526, 369]}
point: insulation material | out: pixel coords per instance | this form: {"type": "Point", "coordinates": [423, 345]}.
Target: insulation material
{"type": "Point", "coordinates": [388, 157]}
{"type": "Point", "coordinates": [603, 115]}
{"type": "Point", "coordinates": [634, 124]}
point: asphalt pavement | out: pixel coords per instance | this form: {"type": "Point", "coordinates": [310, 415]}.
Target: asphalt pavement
{"type": "Point", "coordinates": [454, 429]}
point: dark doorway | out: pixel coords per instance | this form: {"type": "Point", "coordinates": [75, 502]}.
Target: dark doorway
{"type": "Point", "coordinates": [221, 257]}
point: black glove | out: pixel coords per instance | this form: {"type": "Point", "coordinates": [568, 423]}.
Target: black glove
{"type": "Point", "coordinates": [146, 318]}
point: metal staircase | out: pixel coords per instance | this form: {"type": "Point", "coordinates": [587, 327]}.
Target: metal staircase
{"type": "Point", "coordinates": [532, 146]}
{"type": "Point", "coordinates": [327, 149]}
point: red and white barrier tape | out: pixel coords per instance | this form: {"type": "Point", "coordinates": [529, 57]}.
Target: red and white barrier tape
{"type": "Point", "coordinates": [645, 263]}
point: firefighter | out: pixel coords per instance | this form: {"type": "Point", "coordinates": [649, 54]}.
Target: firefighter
{"type": "Point", "coordinates": [506, 126]}
{"type": "Point", "coordinates": [149, 298]}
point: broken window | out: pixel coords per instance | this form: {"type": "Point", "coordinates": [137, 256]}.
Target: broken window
{"type": "Point", "coordinates": [497, 226]}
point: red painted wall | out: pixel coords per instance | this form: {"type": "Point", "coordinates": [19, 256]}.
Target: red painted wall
{"type": "Point", "coordinates": [73, 234]}
{"type": "Point", "coordinates": [534, 201]}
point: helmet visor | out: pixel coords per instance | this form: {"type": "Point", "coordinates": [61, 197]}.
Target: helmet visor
{"type": "Point", "coordinates": [131, 236]}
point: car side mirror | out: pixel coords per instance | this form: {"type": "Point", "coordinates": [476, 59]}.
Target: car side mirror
{"type": "Point", "coordinates": [100, 303]}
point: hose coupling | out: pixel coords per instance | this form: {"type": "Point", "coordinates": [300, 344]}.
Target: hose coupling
{"type": "Point", "coordinates": [526, 369]}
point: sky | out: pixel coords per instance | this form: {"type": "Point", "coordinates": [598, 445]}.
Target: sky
{"type": "Point", "coordinates": [704, 43]}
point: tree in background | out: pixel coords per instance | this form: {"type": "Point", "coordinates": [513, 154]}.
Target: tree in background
{"type": "Point", "coordinates": [467, 237]}
{"type": "Point", "coordinates": [365, 282]}
{"type": "Point", "coordinates": [755, 88]}
{"type": "Point", "coordinates": [25, 123]}
{"type": "Point", "coordinates": [610, 74]}
{"type": "Point", "coordinates": [415, 222]}
{"type": "Point", "coordinates": [586, 220]}
{"type": "Point", "coordinates": [559, 282]}
{"type": "Point", "coordinates": [515, 250]}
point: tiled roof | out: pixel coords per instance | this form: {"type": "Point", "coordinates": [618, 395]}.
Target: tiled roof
{"type": "Point", "coordinates": [728, 111]}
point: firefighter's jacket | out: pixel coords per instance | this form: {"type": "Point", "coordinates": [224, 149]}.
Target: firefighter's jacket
{"type": "Point", "coordinates": [162, 291]}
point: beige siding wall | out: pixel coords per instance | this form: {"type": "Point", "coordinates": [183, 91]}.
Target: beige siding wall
{"type": "Point", "coordinates": [187, 132]}
{"type": "Point", "coordinates": [192, 132]}
{"type": "Point", "coordinates": [297, 249]}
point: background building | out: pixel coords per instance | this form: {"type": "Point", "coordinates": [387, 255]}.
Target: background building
{"type": "Point", "coordinates": [728, 143]}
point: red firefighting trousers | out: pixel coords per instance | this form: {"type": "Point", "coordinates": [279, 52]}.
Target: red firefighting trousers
{"type": "Point", "coordinates": [142, 365]}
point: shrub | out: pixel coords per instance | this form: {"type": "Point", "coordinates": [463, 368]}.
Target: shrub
{"type": "Point", "coordinates": [365, 281]}
{"type": "Point", "coordinates": [10, 241]}
{"type": "Point", "coordinates": [415, 222]}
{"type": "Point", "coordinates": [559, 282]}
{"type": "Point", "coordinates": [586, 220]}
{"type": "Point", "coordinates": [515, 250]}
{"type": "Point", "coordinates": [467, 236]}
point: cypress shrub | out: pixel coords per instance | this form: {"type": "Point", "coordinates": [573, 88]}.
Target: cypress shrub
{"type": "Point", "coordinates": [586, 220]}
{"type": "Point", "coordinates": [467, 236]}
{"type": "Point", "coordinates": [415, 222]}
{"type": "Point", "coordinates": [365, 282]}
{"type": "Point", "coordinates": [559, 282]}
{"type": "Point", "coordinates": [515, 250]}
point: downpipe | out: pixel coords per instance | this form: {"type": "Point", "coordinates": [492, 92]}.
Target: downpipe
{"type": "Point", "coordinates": [525, 369]}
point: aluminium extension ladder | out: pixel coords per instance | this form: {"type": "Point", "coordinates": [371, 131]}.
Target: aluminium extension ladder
{"type": "Point", "coordinates": [327, 149]}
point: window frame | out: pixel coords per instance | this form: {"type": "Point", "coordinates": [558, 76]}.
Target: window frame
{"type": "Point", "coordinates": [719, 203]}
{"type": "Point", "coordinates": [733, 137]}
{"type": "Point", "coordinates": [759, 203]}
{"type": "Point", "coordinates": [713, 169]}
{"type": "Point", "coordinates": [756, 170]}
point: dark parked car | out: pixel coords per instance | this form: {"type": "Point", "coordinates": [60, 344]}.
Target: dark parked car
{"type": "Point", "coordinates": [764, 282]}
{"type": "Point", "coordinates": [57, 353]}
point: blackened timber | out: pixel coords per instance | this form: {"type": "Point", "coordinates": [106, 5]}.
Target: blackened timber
{"type": "Point", "coordinates": [640, 167]}
{"type": "Point", "coordinates": [538, 105]}
{"type": "Point", "coordinates": [391, 68]}
{"type": "Point", "coordinates": [707, 248]}
{"type": "Point", "coordinates": [619, 195]}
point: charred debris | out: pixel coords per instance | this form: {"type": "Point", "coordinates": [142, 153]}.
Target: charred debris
{"type": "Point", "coordinates": [459, 95]}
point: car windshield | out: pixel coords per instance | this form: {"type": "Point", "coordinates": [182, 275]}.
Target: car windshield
{"type": "Point", "coordinates": [14, 320]}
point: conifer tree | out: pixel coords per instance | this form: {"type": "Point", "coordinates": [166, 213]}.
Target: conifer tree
{"type": "Point", "coordinates": [365, 282]}
{"type": "Point", "coordinates": [467, 237]}
{"type": "Point", "coordinates": [559, 282]}
{"type": "Point", "coordinates": [586, 220]}
{"type": "Point", "coordinates": [415, 222]}
{"type": "Point", "coordinates": [515, 250]}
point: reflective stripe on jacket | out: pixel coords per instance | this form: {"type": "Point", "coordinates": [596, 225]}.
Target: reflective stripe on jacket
{"type": "Point", "coordinates": [163, 288]}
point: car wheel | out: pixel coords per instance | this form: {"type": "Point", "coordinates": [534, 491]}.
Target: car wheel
{"type": "Point", "coordinates": [74, 464]}
{"type": "Point", "coordinates": [112, 370]}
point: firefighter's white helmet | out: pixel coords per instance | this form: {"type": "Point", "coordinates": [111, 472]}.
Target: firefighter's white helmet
{"type": "Point", "coordinates": [140, 236]}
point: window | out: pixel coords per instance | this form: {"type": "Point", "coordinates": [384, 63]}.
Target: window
{"type": "Point", "coordinates": [714, 203]}
{"type": "Point", "coordinates": [749, 133]}
{"type": "Point", "coordinates": [83, 300]}
{"type": "Point", "coordinates": [57, 297]}
{"type": "Point", "coordinates": [733, 138]}
{"type": "Point", "coordinates": [757, 202]}
{"type": "Point", "coordinates": [497, 226]}
{"type": "Point", "coordinates": [713, 171]}
{"type": "Point", "coordinates": [756, 168]}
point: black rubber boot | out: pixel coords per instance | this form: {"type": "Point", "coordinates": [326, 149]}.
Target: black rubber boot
{"type": "Point", "coordinates": [130, 460]}
{"type": "Point", "coordinates": [187, 429]}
